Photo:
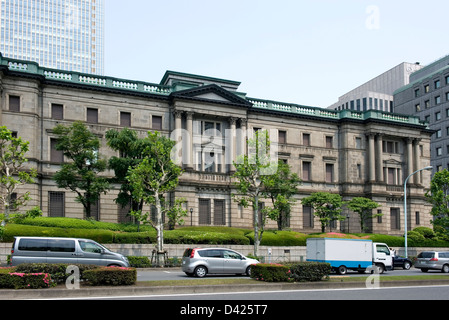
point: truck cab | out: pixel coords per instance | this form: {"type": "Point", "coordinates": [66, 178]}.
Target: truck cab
{"type": "Point", "coordinates": [382, 257]}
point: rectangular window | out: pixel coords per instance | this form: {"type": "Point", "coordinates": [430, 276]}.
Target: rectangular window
{"type": "Point", "coordinates": [14, 103]}
{"type": "Point", "coordinates": [92, 115]}
{"type": "Point", "coordinates": [57, 111]}
{"type": "Point", "coordinates": [417, 218]}
{"type": "Point", "coordinates": [204, 211]}
{"type": "Point", "coordinates": [156, 123]}
{"type": "Point", "coordinates": [391, 178]}
{"type": "Point", "coordinates": [55, 155]}
{"type": "Point", "coordinates": [395, 219]}
{"type": "Point", "coordinates": [219, 213]}
{"type": "Point", "coordinates": [95, 210]}
{"type": "Point", "coordinates": [329, 142]}
{"type": "Point", "coordinates": [437, 84]}
{"type": "Point", "coordinates": [125, 119]}
{"type": "Point", "coordinates": [437, 100]}
{"type": "Point", "coordinates": [329, 173]}
{"type": "Point", "coordinates": [306, 139]}
{"type": "Point", "coordinates": [56, 204]}
{"type": "Point", "coordinates": [282, 137]}
{"type": "Point", "coordinates": [307, 219]}
{"type": "Point", "coordinates": [306, 171]}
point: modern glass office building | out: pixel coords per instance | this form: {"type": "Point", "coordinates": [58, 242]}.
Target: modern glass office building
{"type": "Point", "coordinates": [60, 34]}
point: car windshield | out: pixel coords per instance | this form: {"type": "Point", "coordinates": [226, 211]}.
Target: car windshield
{"type": "Point", "coordinates": [426, 255]}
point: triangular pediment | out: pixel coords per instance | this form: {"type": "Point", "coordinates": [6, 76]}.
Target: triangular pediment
{"type": "Point", "coordinates": [212, 93]}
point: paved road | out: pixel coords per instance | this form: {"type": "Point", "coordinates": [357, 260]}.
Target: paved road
{"type": "Point", "coordinates": [177, 274]}
{"type": "Point", "coordinates": [432, 293]}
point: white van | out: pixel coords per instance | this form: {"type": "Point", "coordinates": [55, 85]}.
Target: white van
{"type": "Point", "coordinates": [63, 250]}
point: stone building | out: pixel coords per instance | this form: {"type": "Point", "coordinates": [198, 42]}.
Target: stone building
{"type": "Point", "coordinates": [346, 152]}
{"type": "Point", "coordinates": [427, 97]}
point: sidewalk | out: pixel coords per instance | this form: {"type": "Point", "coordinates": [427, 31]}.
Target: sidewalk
{"type": "Point", "coordinates": [136, 291]}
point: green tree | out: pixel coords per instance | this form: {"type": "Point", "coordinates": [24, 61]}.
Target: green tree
{"type": "Point", "coordinates": [154, 177]}
{"type": "Point", "coordinates": [250, 175]}
{"type": "Point", "coordinates": [281, 188]}
{"type": "Point", "coordinates": [82, 174]}
{"type": "Point", "coordinates": [12, 171]}
{"type": "Point", "coordinates": [327, 206]}
{"type": "Point", "coordinates": [438, 196]}
{"type": "Point", "coordinates": [364, 208]}
{"type": "Point", "coordinates": [131, 153]}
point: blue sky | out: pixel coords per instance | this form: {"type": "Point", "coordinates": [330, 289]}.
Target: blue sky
{"type": "Point", "coordinates": [304, 52]}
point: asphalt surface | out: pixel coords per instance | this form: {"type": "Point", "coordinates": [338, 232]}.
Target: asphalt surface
{"type": "Point", "coordinates": [61, 292]}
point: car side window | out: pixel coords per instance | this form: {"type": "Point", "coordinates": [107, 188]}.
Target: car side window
{"type": "Point", "coordinates": [87, 246]}
{"type": "Point", "coordinates": [231, 255]}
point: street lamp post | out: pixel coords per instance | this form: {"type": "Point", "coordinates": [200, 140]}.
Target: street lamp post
{"type": "Point", "coordinates": [405, 205]}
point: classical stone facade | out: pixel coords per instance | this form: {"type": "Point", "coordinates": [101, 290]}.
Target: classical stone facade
{"type": "Point", "coordinates": [346, 152]}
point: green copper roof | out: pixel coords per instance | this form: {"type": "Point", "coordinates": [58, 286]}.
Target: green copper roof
{"type": "Point", "coordinates": [76, 78]}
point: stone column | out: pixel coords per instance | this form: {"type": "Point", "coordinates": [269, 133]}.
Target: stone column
{"type": "Point", "coordinates": [409, 171]}
{"type": "Point", "coordinates": [379, 160]}
{"type": "Point", "coordinates": [371, 158]}
{"type": "Point", "coordinates": [189, 142]}
{"type": "Point", "coordinates": [417, 161]}
{"type": "Point", "coordinates": [243, 135]}
{"type": "Point", "coordinates": [178, 128]}
{"type": "Point", "coordinates": [231, 143]}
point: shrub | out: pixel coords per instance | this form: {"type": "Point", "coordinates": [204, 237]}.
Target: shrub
{"type": "Point", "coordinates": [310, 271]}
{"type": "Point", "coordinates": [139, 262]}
{"type": "Point", "coordinates": [270, 272]}
{"type": "Point", "coordinates": [428, 233]}
{"type": "Point", "coordinates": [111, 276]}
{"type": "Point", "coordinates": [11, 279]}
{"type": "Point", "coordinates": [298, 272]}
{"type": "Point", "coordinates": [58, 272]}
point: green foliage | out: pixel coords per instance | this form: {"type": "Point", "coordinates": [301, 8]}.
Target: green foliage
{"type": "Point", "coordinates": [12, 174]}
{"type": "Point", "coordinates": [364, 208]}
{"type": "Point", "coordinates": [131, 149]}
{"type": "Point", "coordinates": [281, 238]}
{"type": "Point", "coordinates": [139, 262]}
{"type": "Point", "coordinates": [309, 271]}
{"type": "Point", "coordinates": [438, 196]}
{"type": "Point", "coordinates": [25, 280]}
{"type": "Point", "coordinates": [269, 272]}
{"type": "Point", "coordinates": [280, 188]}
{"type": "Point", "coordinates": [298, 272]}
{"type": "Point", "coordinates": [82, 174]}
{"type": "Point", "coordinates": [426, 232]}
{"type": "Point", "coordinates": [58, 272]}
{"type": "Point", "coordinates": [111, 276]}
{"type": "Point", "coordinates": [326, 206]}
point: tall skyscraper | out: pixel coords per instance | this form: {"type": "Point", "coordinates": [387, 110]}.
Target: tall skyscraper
{"type": "Point", "coordinates": [60, 34]}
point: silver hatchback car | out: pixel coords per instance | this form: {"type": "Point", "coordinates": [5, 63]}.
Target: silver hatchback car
{"type": "Point", "coordinates": [200, 262]}
{"type": "Point", "coordinates": [433, 260]}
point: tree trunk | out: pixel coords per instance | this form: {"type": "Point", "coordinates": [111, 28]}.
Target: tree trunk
{"type": "Point", "coordinates": [256, 226]}
{"type": "Point", "coordinates": [160, 233]}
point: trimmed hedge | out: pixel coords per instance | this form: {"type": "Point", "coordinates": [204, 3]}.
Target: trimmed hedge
{"type": "Point", "coordinates": [269, 272]}
{"type": "Point", "coordinates": [111, 276]}
{"type": "Point", "coordinates": [58, 272]}
{"type": "Point", "coordinates": [11, 279]}
{"type": "Point", "coordinates": [310, 271]}
{"type": "Point", "coordinates": [299, 272]}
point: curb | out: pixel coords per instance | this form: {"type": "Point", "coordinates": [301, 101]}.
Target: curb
{"type": "Point", "coordinates": [136, 291]}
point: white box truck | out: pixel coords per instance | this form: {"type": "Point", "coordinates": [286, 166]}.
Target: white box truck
{"type": "Point", "coordinates": [350, 254]}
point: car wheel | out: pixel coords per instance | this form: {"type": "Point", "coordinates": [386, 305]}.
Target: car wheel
{"type": "Point", "coordinates": [248, 271]}
{"type": "Point", "coordinates": [200, 271]}
{"type": "Point", "coordinates": [445, 268]}
{"type": "Point", "coordinates": [407, 265]}
{"type": "Point", "coordinates": [342, 270]}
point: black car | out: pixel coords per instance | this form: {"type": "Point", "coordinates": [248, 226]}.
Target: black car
{"type": "Point", "coordinates": [401, 262]}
